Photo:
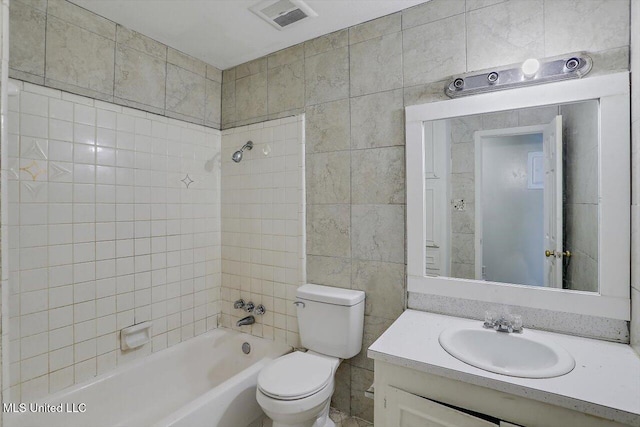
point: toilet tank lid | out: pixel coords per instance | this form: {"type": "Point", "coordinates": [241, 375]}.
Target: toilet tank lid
{"type": "Point", "coordinates": [330, 295]}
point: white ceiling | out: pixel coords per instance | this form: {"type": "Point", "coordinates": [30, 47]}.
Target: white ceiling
{"type": "Point", "coordinates": [225, 33]}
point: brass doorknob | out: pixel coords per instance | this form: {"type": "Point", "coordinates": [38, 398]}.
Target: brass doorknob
{"type": "Point", "coordinates": [549, 253]}
{"type": "Point", "coordinates": [566, 254]}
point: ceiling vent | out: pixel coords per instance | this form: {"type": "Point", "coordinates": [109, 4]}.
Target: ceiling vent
{"type": "Point", "coordinates": [283, 13]}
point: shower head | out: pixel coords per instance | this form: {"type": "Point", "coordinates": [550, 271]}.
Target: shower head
{"type": "Point", "coordinates": [237, 156]}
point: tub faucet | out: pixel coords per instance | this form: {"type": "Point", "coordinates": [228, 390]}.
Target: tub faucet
{"type": "Point", "coordinates": [249, 320]}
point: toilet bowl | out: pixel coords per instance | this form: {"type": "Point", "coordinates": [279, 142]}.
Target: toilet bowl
{"type": "Point", "coordinates": [295, 390]}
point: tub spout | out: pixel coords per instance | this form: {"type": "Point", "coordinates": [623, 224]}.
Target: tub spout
{"type": "Point", "coordinates": [249, 320]}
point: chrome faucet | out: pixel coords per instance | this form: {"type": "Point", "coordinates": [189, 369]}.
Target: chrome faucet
{"type": "Point", "coordinates": [249, 320]}
{"type": "Point", "coordinates": [504, 323]}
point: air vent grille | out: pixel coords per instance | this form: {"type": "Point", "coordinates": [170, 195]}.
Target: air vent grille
{"type": "Point", "coordinates": [283, 13]}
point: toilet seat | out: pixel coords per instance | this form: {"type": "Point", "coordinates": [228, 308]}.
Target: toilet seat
{"type": "Point", "coordinates": [295, 376]}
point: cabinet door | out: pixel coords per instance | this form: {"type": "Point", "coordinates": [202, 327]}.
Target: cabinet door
{"type": "Point", "coordinates": [408, 410]}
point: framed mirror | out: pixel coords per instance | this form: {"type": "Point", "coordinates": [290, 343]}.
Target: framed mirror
{"type": "Point", "coordinates": [522, 197]}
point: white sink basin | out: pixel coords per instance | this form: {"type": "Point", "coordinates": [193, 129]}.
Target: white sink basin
{"type": "Point", "coordinates": [526, 355]}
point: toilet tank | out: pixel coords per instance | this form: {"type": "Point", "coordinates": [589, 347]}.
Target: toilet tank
{"type": "Point", "coordinates": [330, 320]}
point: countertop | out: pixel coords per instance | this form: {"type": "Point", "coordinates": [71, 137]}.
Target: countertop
{"type": "Point", "coordinates": [605, 381]}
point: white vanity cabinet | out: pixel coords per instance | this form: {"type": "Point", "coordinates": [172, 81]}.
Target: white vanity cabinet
{"type": "Point", "coordinates": [405, 397]}
{"type": "Point", "coordinates": [418, 384]}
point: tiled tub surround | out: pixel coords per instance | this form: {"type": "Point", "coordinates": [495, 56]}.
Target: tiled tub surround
{"type": "Point", "coordinates": [104, 232]}
{"type": "Point", "coordinates": [263, 228]}
{"type": "Point", "coordinates": [353, 85]}
{"type": "Point", "coordinates": [60, 45]}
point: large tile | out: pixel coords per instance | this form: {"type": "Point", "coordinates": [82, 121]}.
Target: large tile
{"type": "Point", "coordinates": [328, 177]}
{"type": "Point", "coordinates": [327, 127]}
{"type": "Point", "coordinates": [376, 65]}
{"type": "Point", "coordinates": [214, 73]}
{"type": "Point", "coordinates": [378, 176]}
{"type": "Point", "coordinates": [429, 92]}
{"type": "Point", "coordinates": [433, 10]}
{"type": "Point", "coordinates": [79, 57]}
{"type": "Point", "coordinates": [252, 67]}
{"type": "Point", "coordinates": [361, 379]}
{"type": "Point", "coordinates": [505, 33]}
{"type": "Point", "coordinates": [594, 25]}
{"type": "Point", "coordinates": [327, 42]}
{"type": "Point", "coordinates": [187, 62]}
{"type": "Point", "coordinates": [26, 38]}
{"type": "Point", "coordinates": [377, 120]}
{"type": "Point", "coordinates": [477, 4]}
{"type": "Point", "coordinates": [327, 76]}
{"type": "Point", "coordinates": [378, 27]}
{"type": "Point", "coordinates": [251, 96]}
{"type": "Point", "coordinates": [212, 103]}
{"type": "Point", "coordinates": [286, 87]}
{"type": "Point", "coordinates": [329, 271]}
{"type": "Point", "coordinates": [82, 18]}
{"type": "Point", "coordinates": [434, 51]}
{"type": "Point", "coordinates": [286, 56]}
{"type": "Point", "coordinates": [361, 406]}
{"type": "Point", "coordinates": [139, 77]}
{"type": "Point", "coordinates": [328, 230]}
{"type": "Point", "coordinates": [140, 42]}
{"type": "Point", "coordinates": [228, 102]}
{"type": "Point", "coordinates": [185, 92]}
{"type": "Point", "coordinates": [377, 232]}
{"type": "Point", "coordinates": [373, 328]}
{"type": "Point", "coordinates": [384, 285]}
{"type": "Point", "coordinates": [341, 398]}
{"type": "Point", "coordinates": [462, 248]}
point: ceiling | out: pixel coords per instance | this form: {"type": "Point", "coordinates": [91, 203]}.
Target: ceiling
{"type": "Point", "coordinates": [224, 33]}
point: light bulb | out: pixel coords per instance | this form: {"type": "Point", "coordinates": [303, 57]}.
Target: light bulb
{"type": "Point", "coordinates": [530, 67]}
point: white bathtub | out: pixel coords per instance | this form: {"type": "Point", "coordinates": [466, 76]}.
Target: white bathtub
{"type": "Point", "coordinates": [206, 381]}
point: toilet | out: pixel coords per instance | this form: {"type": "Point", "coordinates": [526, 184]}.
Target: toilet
{"type": "Point", "coordinates": [295, 390]}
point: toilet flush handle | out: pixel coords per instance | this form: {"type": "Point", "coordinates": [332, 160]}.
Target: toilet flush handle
{"type": "Point", "coordinates": [299, 303]}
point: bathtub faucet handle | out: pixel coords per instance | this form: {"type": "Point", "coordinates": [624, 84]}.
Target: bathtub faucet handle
{"type": "Point", "coordinates": [248, 307]}
{"type": "Point", "coordinates": [238, 304]}
{"type": "Point", "coordinates": [260, 310]}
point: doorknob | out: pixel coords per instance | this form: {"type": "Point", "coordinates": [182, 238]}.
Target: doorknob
{"type": "Point", "coordinates": [549, 253]}
{"type": "Point", "coordinates": [566, 254]}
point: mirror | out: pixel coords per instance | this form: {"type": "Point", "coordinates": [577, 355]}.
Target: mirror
{"type": "Point", "coordinates": [497, 181]}
{"type": "Point", "coordinates": [512, 197]}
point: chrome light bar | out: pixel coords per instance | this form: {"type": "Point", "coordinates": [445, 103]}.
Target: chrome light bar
{"type": "Point", "coordinates": [531, 72]}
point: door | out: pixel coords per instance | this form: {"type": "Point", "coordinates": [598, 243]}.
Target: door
{"type": "Point", "coordinates": [409, 410]}
{"type": "Point", "coordinates": [552, 137]}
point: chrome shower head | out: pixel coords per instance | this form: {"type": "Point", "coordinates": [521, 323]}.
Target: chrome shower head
{"type": "Point", "coordinates": [237, 156]}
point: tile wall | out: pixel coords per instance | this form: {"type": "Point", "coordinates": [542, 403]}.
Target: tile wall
{"type": "Point", "coordinates": [60, 45]}
{"type": "Point", "coordinates": [635, 172]}
{"type": "Point", "coordinates": [353, 86]}
{"type": "Point", "coordinates": [114, 219]}
{"type": "Point", "coordinates": [263, 211]}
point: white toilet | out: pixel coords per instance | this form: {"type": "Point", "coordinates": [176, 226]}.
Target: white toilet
{"type": "Point", "coordinates": [295, 390]}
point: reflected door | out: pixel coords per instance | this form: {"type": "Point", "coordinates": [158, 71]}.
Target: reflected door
{"type": "Point", "coordinates": [552, 136]}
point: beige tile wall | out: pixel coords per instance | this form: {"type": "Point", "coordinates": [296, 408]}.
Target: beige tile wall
{"type": "Point", "coordinates": [354, 87]}
{"type": "Point", "coordinates": [60, 45]}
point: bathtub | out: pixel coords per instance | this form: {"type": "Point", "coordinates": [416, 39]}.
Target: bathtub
{"type": "Point", "coordinates": [205, 381]}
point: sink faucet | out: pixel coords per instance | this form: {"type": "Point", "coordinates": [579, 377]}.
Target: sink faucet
{"type": "Point", "coordinates": [504, 323]}
{"type": "Point", "coordinates": [249, 320]}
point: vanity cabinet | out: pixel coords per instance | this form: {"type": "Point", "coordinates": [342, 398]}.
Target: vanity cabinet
{"type": "Point", "coordinates": [406, 397]}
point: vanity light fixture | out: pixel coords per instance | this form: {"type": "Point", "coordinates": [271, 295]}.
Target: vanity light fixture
{"type": "Point", "coordinates": [530, 72]}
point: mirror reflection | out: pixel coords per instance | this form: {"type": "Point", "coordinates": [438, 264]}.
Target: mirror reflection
{"type": "Point", "coordinates": [512, 197]}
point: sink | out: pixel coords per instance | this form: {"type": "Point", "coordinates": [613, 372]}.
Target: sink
{"type": "Point", "coordinates": [526, 355]}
